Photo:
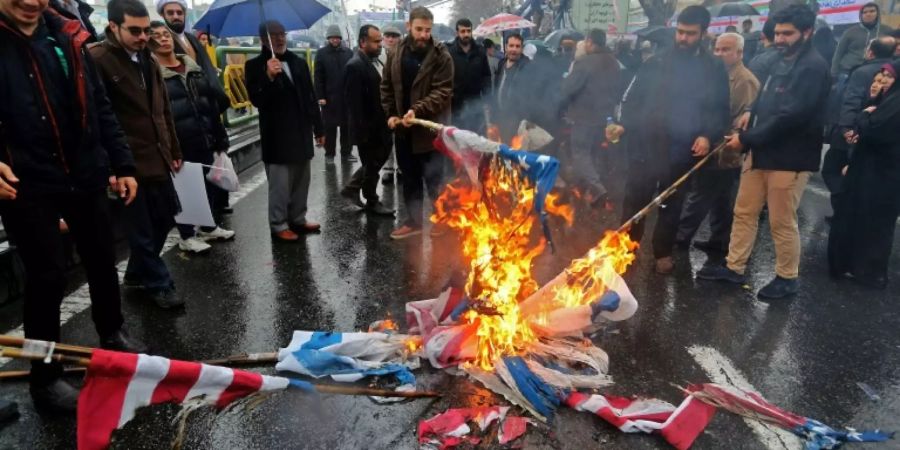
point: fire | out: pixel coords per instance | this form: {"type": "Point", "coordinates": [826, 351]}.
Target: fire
{"type": "Point", "coordinates": [495, 225]}
{"type": "Point", "coordinates": [516, 142]}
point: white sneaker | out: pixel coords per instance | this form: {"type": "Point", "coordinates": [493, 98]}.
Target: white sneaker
{"type": "Point", "coordinates": [219, 234]}
{"type": "Point", "coordinates": [193, 245]}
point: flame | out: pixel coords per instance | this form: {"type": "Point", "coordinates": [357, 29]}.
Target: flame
{"type": "Point", "coordinates": [495, 225]}
{"type": "Point", "coordinates": [516, 142]}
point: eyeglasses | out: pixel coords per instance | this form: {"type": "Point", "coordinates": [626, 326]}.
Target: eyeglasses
{"type": "Point", "coordinates": [137, 31]}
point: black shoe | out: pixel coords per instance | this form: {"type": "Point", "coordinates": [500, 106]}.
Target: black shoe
{"type": "Point", "coordinates": [720, 273]}
{"type": "Point", "coordinates": [226, 210]}
{"type": "Point", "coordinates": [348, 158]}
{"type": "Point", "coordinates": [120, 341]}
{"type": "Point", "coordinates": [711, 246]}
{"type": "Point", "coordinates": [379, 209]}
{"type": "Point", "coordinates": [167, 299]}
{"type": "Point", "coordinates": [58, 397]}
{"type": "Point", "coordinates": [352, 195]}
{"type": "Point", "coordinates": [779, 288]}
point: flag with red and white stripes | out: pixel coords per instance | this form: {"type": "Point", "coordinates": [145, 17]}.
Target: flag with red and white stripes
{"type": "Point", "coordinates": [678, 426]}
{"type": "Point", "coordinates": [117, 384]}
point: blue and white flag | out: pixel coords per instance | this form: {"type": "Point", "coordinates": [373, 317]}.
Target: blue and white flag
{"type": "Point", "coordinates": [349, 357]}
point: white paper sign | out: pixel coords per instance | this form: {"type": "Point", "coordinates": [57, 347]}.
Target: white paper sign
{"type": "Point", "coordinates": [192, 194]}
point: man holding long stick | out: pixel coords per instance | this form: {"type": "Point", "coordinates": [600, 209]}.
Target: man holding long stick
{"type": "Point", "coordinates": [784, 147]}
{"type": "Point", "coordinates": [676, 107]}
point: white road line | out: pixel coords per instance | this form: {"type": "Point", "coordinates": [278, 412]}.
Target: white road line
{"type": "Point", "coordinates": [818, 190]}
{"type": "Point", "coordinates": [721, 371]}
{"type": "Point", "coordinates": [80, 299]}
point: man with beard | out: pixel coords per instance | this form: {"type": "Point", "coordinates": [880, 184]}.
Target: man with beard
{"type": "Point", "coordinates": [851, 49]}
{"type": "Point", "coordinates": [367, 125]}
{"type": "Point", "coordinates": [511, 88]}
{"type": "Point", "coordinates": [471, 78]}
{"type": "Point", "coordinates": [674, 112]}
{"type": "Point", "coordinates": [174, 13]}
{"type": "Point", "coordinates": [783, 144]}
{"type": "Point", "coordinates": [418, 79]}
{"type": "Point", "coordinates": [329, 81]}
{"type": "Point", "coordinates": [279, 84]}
{"type": "Point", "coordinates": [138, 95]}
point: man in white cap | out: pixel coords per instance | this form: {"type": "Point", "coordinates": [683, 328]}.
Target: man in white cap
{"type": "Point", "coordinates": [329, 81]}
{"type": "Point", "coordinates": [174, 12]}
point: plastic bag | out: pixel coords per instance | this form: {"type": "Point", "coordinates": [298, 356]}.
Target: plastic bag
{"type": "Point", "coordinates": [222, 173]}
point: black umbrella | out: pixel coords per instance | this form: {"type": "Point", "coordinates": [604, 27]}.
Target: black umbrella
{"type": "Point", "coordinates": [732, 9]}
{"type": "Point", "coordinates": [657, 34]}
{"type": "Point", "coordinates": [553, 39]}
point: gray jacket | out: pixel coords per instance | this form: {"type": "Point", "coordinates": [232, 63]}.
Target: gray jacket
{"type": "Point", "coordinates": [851, 49]}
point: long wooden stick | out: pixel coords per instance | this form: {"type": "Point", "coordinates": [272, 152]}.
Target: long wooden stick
{"type": "Point", "coordinates": [668, 191]}
{"type": "Point", "coordinates": [16, 341]}
{"type": "Point", "coordinates": [321, 388]}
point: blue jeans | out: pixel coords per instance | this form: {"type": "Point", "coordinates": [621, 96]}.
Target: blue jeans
{"type": "Point", "coordinates": [150, 218]}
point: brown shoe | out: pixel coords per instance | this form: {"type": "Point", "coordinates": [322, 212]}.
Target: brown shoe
{"type": "Point", "coordinates": [286, 235]}
{"type": "Point", "coordinates": [665, 265]}
{"type": "Point", "coordinates": [308, 227]}
{"type": "Point", "coordinates": [404, 232]}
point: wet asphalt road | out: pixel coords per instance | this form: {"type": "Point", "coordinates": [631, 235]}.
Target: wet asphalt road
{"type": "Point", "coordinates": [807, 354]}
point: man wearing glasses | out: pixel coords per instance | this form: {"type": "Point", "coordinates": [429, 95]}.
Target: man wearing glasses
{"type": "Point", "coordinates": [138, 95]}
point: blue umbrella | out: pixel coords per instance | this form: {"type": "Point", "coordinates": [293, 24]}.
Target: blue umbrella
{"type": "Point", "coordinates": [228, 18]}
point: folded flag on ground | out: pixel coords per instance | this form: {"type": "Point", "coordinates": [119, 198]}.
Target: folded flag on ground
{"type": "Point", "coordinates": [349, 357]}
{"type": "Point", "coordinates": [117, 384]}
{"type": "Point", "coordinates": [750, 404]}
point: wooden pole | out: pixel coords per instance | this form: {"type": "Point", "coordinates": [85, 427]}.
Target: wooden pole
{"type": "Point", "coordinates": [16, 341]}
{"type": "Point", "coordinates": [320, 388]}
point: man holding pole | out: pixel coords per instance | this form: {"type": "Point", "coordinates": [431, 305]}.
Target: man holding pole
{"type": "Point", "coordinates": [784, 144]}
{"type": "Point", "coordinates": [62, 148]}
{"type": "Point", "coordinates": [676, 108]}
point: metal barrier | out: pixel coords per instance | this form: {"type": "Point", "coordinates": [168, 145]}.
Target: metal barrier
{"type": "Point", "coordinates": [234, 81]}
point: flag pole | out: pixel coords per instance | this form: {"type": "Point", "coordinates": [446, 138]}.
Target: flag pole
{"type": "Point", "coordinates": [18, 353]}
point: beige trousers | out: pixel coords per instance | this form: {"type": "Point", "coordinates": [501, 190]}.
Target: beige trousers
{"type": "Point", "coordinates": [782, 191]}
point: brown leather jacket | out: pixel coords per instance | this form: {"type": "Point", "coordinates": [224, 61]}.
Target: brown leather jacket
{"type": "Point", "coordinates": [431, 93]}
{"type": "Point", "coordinates": [146, 119]}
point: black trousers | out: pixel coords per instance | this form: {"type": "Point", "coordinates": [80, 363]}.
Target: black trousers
{"type": "Point", "coordinates": [644, 182]}
{"type": "Point", "coordinates": [712, 192]}
{"type": "Point", "coordinates": [33, 226]}
{"type": "Point", "coordinates": [373, 155]}
{"type": "Point", "coordinates": [150, 218]}
{"type": "Point", "coordinates": [420, 171]}
{"type": "Point", "coordinates": [331, 136]}
{"type": "Point", "coordinates": [835, 159]}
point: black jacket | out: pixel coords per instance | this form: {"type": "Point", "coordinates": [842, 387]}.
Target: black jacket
{"type": "Point", "coordinates": [471, 74]}
{"type": "Point", "coordinates": [330, 63]}
{"type": "Point", "coordinates": [789, 115]}
{"type": "Point", "coordinates": [648, 109]}
{"type": "Point", "coordinates": [288, 113]}
{"type": "Point", "coordinates": [212, 74]}
{"type": "Point", "coordinates": [29, 137]}
{"type": "Point", "coordinates": [762, 63]}
{"type": "Point", "coordinates": [512, 99]}
{"type": "Point", "coordinates": [195, 113]}
{"type": "Point", "coordinates": [856, 91]}
{"type": "Point", "coordinates": [362, 89]}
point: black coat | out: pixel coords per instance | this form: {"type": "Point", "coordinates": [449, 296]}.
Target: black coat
{"type": "Point", "coordinates": [362, 89]}
{"type": "Point", "coordinates": [330, 63]}
{"type": "Point", "coordinates": [195, 113]}
{"type": "Point", "coordinates": [288, 113]}
{"type": "Point", "coordinates": [471, 75]}
{"type": "Point", "coordinates": [647, 109]}
{"type": "Point", "coordinates": [512, 99]}
{"type": "Point", "coordinates": [84, 15]}
{"type": "Point", "coordinates": [28, 131]}
{"type": "Point", "coordinates": [212, 74]}
{"type": "Point", "coordinates": [788, 117]}
{"type": "Point", "coordinates": [856, 91]}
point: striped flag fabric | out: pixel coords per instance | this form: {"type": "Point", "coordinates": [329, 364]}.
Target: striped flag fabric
{"type": "Point", "coordinates": [678, 426]}
{"type": "Point", "coordinates": [117, 384]}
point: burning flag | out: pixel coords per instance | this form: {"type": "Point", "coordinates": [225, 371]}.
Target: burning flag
{"type": "Point", "coordinates": [117, 384]}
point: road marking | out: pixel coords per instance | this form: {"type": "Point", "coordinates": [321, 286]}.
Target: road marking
{"type": "Point", "coordinates": [80, 300]}
{"type": "Point", "coordinates": [721, 371]}
{"type": "Point", "coordinates": [818, 190]}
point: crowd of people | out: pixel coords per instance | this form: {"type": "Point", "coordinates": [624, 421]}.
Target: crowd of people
{"type": "Point", "coordinates": [83, 120]}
